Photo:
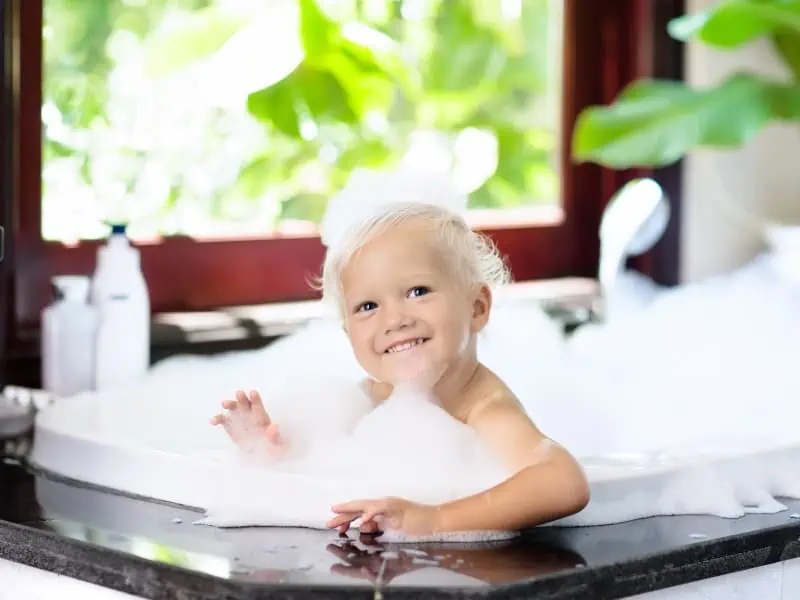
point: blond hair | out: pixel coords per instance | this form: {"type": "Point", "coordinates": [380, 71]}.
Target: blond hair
{"type": "Point", "coordinates": [475, 259]}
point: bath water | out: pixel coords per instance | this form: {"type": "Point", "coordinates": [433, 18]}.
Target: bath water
{"type": "Point", "coordinates": [684, 402]}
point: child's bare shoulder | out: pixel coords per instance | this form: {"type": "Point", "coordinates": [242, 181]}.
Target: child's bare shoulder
{"type": "Point", "coordinates": [501, 421]}
{"type": "Point", "coordinates": [490, 395]}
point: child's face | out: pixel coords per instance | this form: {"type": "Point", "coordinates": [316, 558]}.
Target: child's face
{"type": "Point", "coordinates": [407, 317]}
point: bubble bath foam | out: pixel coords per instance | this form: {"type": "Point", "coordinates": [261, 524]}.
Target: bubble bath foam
{"type": "Point", "coordinates": [686, 404]}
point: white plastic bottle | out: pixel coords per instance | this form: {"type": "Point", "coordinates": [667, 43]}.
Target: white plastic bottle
{"type": "Point", "coordinates": [119, 292]}
{"type": "Point", "coordinates": [69, 327]}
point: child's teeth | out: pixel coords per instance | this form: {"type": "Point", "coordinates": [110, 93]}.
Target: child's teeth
{"type": "Point", "coordinates": [405, 346]}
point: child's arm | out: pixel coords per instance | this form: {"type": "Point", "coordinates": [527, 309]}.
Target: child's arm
{"type": "Point", "coordinates": [548, 482]}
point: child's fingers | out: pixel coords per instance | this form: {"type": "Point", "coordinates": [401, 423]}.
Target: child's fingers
{"type": "Point", "coordinates": [371, 526]}
{"type": "Point", "coordinates": [243, 400]}
{"type": "Point", "coordinates": [229, 404]}
{"type": "Point", "coordinates": [366, 507]}
{"type": "Point", "coordinates": [342, 519]}
{"type": "Point", "coordinates": [227, 426]}
{"type": "Point", "coordinates": [354, 506]}
{"type": "Point", "coordinates": [273, 434]}
{"type": "Point", "coordinates": [339, 520]}
{"type": "Point", "coordinates": [217, 419]}
{"type": "Point", "coordinates": [258, 405]}
{"type": "Point", "coordinates": [371, 514]}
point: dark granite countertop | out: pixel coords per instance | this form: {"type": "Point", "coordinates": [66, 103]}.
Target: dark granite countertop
{"type": "Point", "coordinates": [155, 551]}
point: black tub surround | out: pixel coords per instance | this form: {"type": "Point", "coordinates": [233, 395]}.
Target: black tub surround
{"type": "Point", "coordinates": [155, 551]}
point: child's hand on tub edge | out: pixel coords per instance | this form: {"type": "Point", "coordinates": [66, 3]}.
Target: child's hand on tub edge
{"type": "Point", "coordinates": [249, 426]}
{"type": "Point", "coordinates": [380, 514]}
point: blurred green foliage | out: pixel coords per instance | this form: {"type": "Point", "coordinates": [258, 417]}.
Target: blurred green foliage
{"type": "Point", "coordinates": [484, 75]}
{"type": "Point", "coordinates": [655, 123]}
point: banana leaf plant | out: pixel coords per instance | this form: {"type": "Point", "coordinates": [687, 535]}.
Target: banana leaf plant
{"type": "Point", "coordinates": [655, 123]}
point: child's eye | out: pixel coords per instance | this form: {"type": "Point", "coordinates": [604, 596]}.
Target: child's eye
{"type": "Point", "coordinates": [366, 307]}
{"type": "Point", "coordinates": [417, 291]}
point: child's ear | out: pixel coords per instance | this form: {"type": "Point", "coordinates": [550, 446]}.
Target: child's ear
{"type": "Point", "coordinates": [481, 307]}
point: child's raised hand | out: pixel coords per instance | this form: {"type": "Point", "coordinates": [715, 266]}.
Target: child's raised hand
{"type": "Point", "coordinates": [247, 423]}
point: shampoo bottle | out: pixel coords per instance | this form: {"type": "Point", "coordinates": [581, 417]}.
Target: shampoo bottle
{"type": "Point", "coordinates": [69, 327]}
{"type": "Point", "coordinates": [119, 293]}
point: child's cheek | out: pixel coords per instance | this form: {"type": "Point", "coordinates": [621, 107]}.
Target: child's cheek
{"type": "Point", "coordinates": [464, 338]}
{"type": "Point", "coordinates": [459, 330]}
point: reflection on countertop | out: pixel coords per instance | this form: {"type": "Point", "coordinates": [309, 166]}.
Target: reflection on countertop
{"type": "Point", "coordinates": [155, 549]}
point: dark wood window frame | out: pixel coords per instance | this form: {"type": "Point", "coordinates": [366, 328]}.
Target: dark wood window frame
{"type": "Point", "coordinates": [607, 45]}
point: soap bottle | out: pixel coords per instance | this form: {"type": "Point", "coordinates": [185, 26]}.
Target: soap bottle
{"type": "Point", "coordinates": [69, 327]}
{"type": "Point", "coordinates": [119, 292]}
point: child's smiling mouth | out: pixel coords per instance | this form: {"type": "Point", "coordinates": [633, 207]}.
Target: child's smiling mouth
{"type": "Point", "coordinates": [405, 345]}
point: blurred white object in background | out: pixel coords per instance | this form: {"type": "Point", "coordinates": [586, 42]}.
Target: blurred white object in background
{"type": "Point", "coordinates": [632, 223]}
{"type": "Point", "coordinates": [69, 327]}
{"type": "Point", "coordinates": [784, 246]}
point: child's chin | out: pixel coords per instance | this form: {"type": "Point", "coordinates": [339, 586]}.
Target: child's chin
{"type": "Point", "coordinates": [415, 371]}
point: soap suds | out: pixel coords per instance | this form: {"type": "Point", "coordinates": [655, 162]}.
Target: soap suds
{"type": "Point", "coordinates": [685, 404]}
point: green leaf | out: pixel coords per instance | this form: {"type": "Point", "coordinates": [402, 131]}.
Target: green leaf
{"type": "Point", "coordinates": [784, 101]}
{"type": "Point", "coordinates": [451, 112]}
{"type": "Point", "coordinates": [58, 149]}
{"type": "Point", "coordinates": [326, 98]}
{"type": "Point", "coordinates": [542, 183]}
{"type": "Point", "coordinates": [377, 53]}
{"type": "Point", "coordinates": [468, 54]}
{"type": "Point", "coordinates": [686, 27]}
{"type": "Point", "coordinates": [655, 123]}
{"type": "Point", "coordinates": [318, 31]}
{"type": "Point", "coordinates": [278, 106]}
{"type": "Point", "coordinates": [304, 207]}
{"type": "Point", "coordinates": [523, 174]}
{"type": "Point", "coordinates": [494, 193]}
{"type": "Point", "coordinates": [367, 154]}
{"type": "Point", "coordinates": [341, 79]}
{"type": "Point", "coordinates": [306, 94]}
{"type": "Point", "coordinates": [201, 34]}
{"type": "Point", "coordinates": [515, 153]}
{"type": "Point", "coordinates": [255, 177]}
{"type": "Point", "coordinates": [366, 91]}
{"type": "Point", "coordinates": [787, 44]}
{"type": "Point", "coordinates": [731, 23]}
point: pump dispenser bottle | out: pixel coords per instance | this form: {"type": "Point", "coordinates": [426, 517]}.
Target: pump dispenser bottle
{"type": "Point", "coordinates": [69, 328]}
{"type": "Point", "coordinates": [119, 292]}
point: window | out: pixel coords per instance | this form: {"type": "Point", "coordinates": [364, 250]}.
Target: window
{"type": "Point", "coordinates": [207, 126]}
{"type": "Point", "coordinates": [234, 118]}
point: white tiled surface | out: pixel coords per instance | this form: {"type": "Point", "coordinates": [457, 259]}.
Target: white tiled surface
{"type": "Point", "coordinates": [774, 582]}
{"type": "Point", "coordinates": [19, 582]}
{"type": "Point", "coordinates": [791, 580]}
{"type": "Point", "coordinates": [780, 581]}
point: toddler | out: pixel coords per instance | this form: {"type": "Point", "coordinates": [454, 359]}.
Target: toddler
{"type": "Point", "coordinates": [413, 287]}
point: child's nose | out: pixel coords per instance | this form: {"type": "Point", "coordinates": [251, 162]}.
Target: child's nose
{"type": "Point", "coordinates": [396, 318]}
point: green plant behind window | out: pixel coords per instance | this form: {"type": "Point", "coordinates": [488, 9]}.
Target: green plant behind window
{"type": "Point", "coordinates": [234, 117]}
{"type": "Point", "coordinates": [655, 123]}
